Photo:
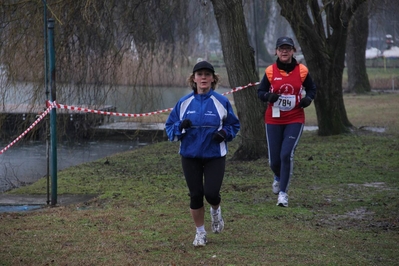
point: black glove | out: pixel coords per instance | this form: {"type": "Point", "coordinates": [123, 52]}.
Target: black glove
{"type": "Point", "coordinates": [305, 102]}
{"type": "Point", "coordinates": [271, 97]}
{"type": "Point", "coordinates": [219, 136]}
{"type": "Point", "coordinates": [186, 123]}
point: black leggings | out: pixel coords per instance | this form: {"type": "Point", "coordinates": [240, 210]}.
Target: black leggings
{"type": "Point", "coordinates": [282, 141]}
{"type": "Point", "coordinates": [204, 177]}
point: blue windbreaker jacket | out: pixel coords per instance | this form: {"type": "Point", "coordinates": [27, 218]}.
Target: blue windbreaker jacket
{"type": "Point", "coordinates": [208, 113]}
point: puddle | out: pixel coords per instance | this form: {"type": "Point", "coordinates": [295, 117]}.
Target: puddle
{"type": "Point", "coordinates": [373, 129]}
{"type": "Point", "coordinates": [19, 208]}
{"type": "Point", "coordinates": [371, 184]}
{"type": "Point", "coordinates": [375, 184]}
{"type": "Point", "coordinates": [310, 128]}
{"type": "Point", "coordinates": [360, 213]}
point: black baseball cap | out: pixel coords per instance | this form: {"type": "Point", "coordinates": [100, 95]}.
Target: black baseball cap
{"type": "Point", "coordinates": [285, 41]}
{"type": "Point", "coordinates": [203, 65]}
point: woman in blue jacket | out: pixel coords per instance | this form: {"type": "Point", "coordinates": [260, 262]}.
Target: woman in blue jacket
{"type": "Point", "coordinates": [203, 121]}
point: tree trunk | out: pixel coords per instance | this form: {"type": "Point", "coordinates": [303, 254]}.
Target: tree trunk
{"type": "Point", "coordinates": [358, 80]}
{"type": "Point", "coordinates": [240, 64]}
{"type": "Point", "coordinates": [260, 13]}
{"type": "Point", "coordinates": [321, 33]}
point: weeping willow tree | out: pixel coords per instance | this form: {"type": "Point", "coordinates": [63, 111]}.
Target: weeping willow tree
{"type": "Point", "coordinates": [105, 51]}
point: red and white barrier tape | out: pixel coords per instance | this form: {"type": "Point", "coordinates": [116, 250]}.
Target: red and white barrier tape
{"type": "Point", "coordinates": [87, 110]}
{"type": "Point", "coordinates": [29, 128]}
{"type": "Point", "coordinates": [241, 88]}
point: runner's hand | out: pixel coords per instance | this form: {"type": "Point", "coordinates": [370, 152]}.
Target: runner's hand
{"type": "Point", "coordinates": [305, 102]}
{"type": "Point", "coordinates": [219, 136]}
{"type": "Point", "coordinates": [271, 97]}
{"type": "Point", "coordinates": [186, 123]}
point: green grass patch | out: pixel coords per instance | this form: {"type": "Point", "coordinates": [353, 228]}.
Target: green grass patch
{"type": "Point", "coordinates": [343, 207]}
{"type": "Point", "coordinates": [367, 110]}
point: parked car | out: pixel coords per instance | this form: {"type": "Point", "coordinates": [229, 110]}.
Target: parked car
{"type": "Point", "coordinates": [391, 53]}
{"type": "Point", "coordinates": [372, 53]}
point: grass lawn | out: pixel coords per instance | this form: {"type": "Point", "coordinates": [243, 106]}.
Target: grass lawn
{"type": "Point", "coordinates": [343, 206]}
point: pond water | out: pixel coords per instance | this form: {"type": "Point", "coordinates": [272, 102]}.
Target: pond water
{"type": "Point", "coordinates": [26, 162]}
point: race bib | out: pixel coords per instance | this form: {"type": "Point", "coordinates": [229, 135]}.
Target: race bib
{"type": "Point", "coordinates": [286, 102]}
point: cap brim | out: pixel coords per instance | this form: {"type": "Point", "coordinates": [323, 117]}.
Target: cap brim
{"type": "Point", "coordinates": [286, 43]}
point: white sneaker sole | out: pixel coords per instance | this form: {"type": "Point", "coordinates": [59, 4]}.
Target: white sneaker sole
{"type": "Point", "coordinates": [281, 204]}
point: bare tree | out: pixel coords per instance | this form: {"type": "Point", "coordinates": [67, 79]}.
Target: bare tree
{"type": "Point", "coordinates": [358, 80]}
{"type": "Point", "coordinates": [321, 31]}
{"type": "Point", "coordinates": [240, 64]}
{"type": "Point", "coordinates": [389, 10]}
{"type": "Point", "coordinates": [257, 18]}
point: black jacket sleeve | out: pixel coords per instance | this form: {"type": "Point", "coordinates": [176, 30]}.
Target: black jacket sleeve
{"type": "Point", "coordinates": [310, 87]}
{"type": "Point", "coordinates": [264, 88]}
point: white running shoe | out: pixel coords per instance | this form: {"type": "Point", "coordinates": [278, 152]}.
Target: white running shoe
{"type": "Point", "coordinates": [200, 239]}
{"type": "Point", "coordinates": [276, 187]}
{"type": "Point", "coordinates": [282, 199]}
{"type": "Point", "coordinates": [217, 221]}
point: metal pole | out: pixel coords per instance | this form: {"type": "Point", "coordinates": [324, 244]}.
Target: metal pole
{"type": "Point", "coordinates": [47, 97]}
{"type": "Point", "coordinates": [256, 38]}
{"type": "Point", "coordinates": [45, 49]}
{"type": "Point", "coordinates": [53, 113]}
